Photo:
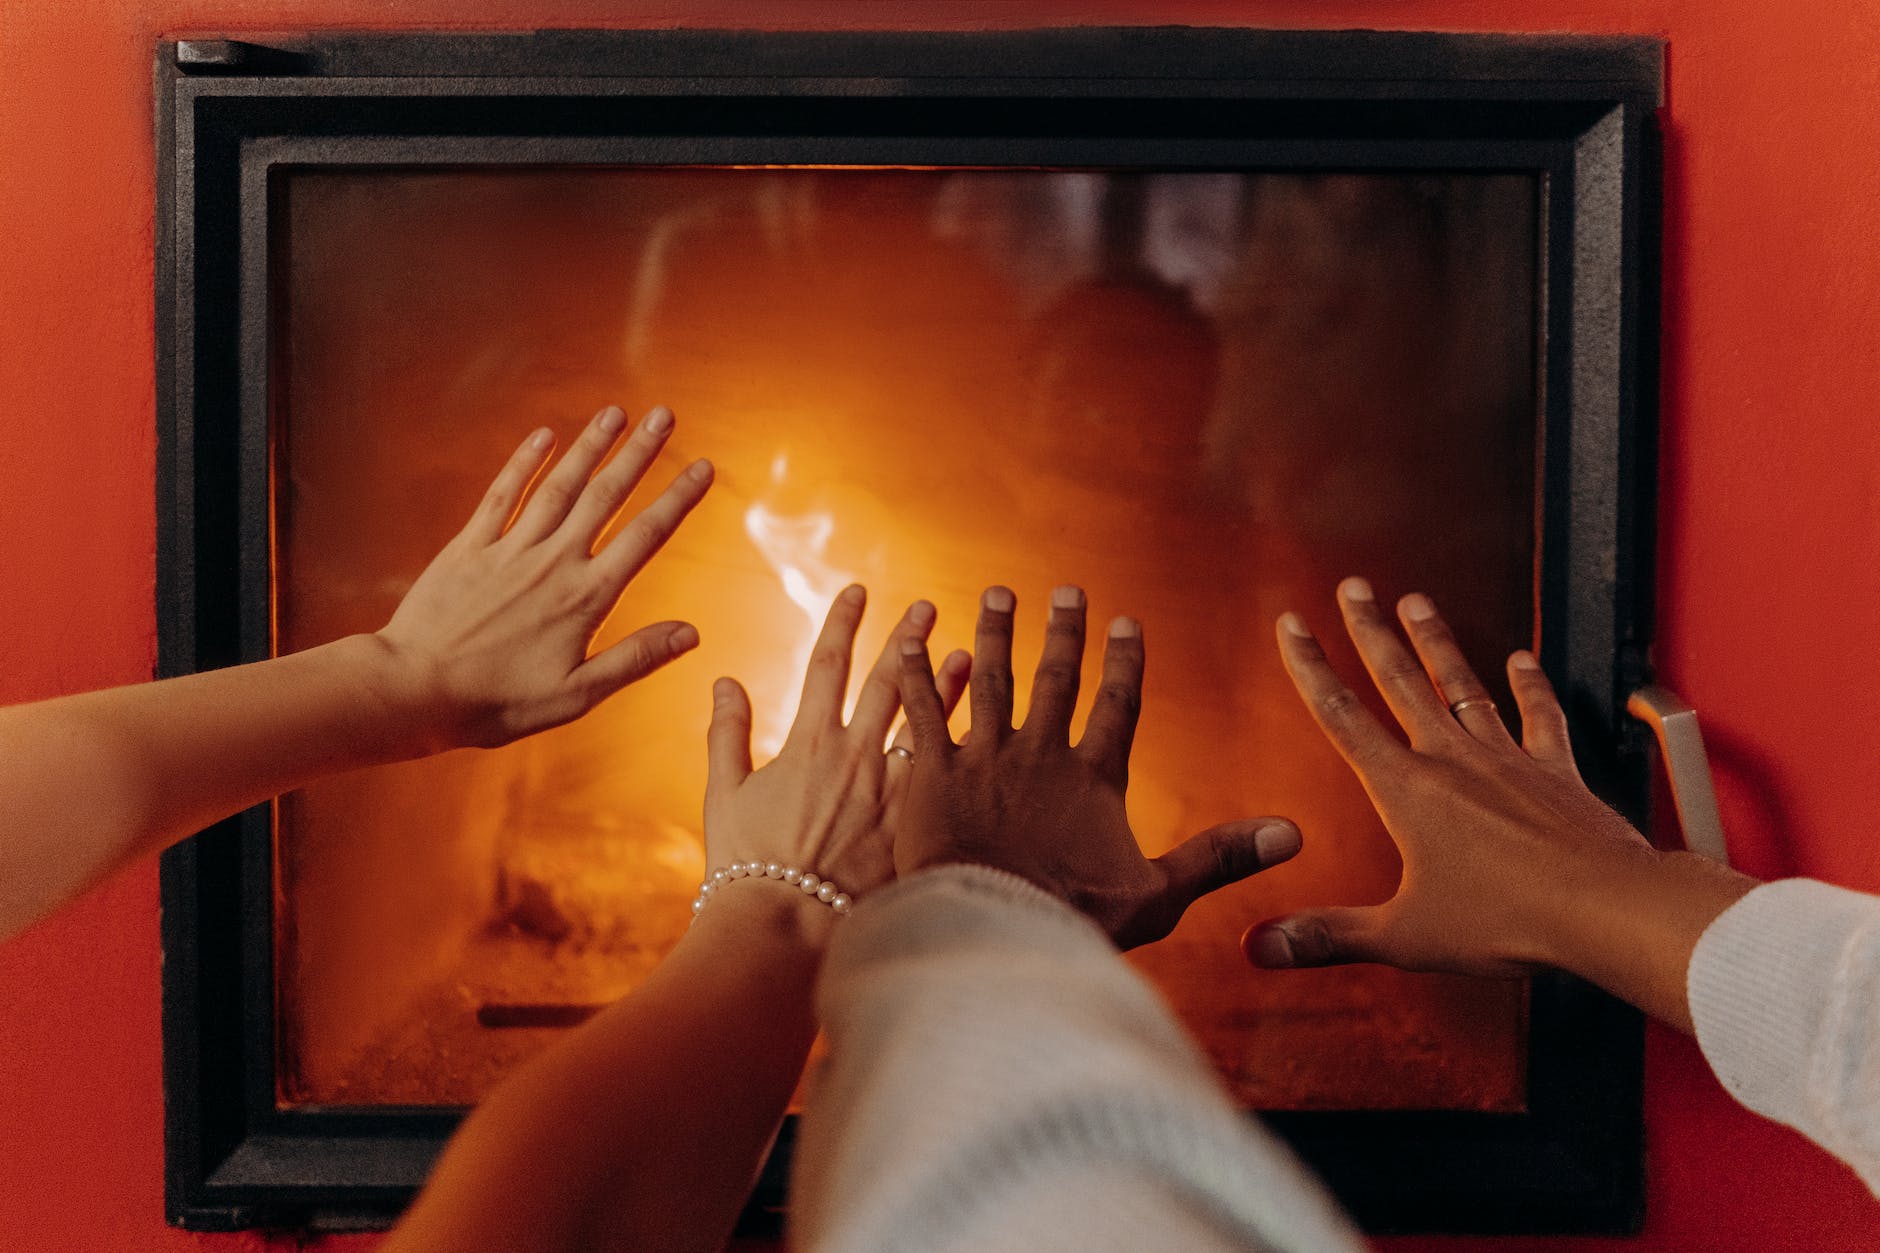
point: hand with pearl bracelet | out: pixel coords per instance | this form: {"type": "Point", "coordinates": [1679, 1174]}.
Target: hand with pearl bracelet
{"type": "Point", "coordinates": [660, 1110]}
{"type": "Point", "coordinates": [815, 820]}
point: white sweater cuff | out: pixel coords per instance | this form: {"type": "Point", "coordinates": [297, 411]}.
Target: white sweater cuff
{"type": "Point", "coordinates": [1782, 1002]}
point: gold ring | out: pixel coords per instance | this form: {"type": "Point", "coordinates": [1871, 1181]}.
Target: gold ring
{"type": "Point", "coordinates": [1455, 710]}
{"type": "Point", "coordinates": [905, 754]}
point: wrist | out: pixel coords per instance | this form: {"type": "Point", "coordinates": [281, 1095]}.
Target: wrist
{"type": "Point", "coordinates": [770, 913]}
{"type": "Point", "coordinates": [1632, 930]}
{"type": "Point", "coordinates": [399, 697]}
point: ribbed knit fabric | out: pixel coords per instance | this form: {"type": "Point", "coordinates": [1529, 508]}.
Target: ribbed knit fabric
{"type": "Point", "coordinates": [999, 1079]}
{"type": "Point", "coordinates": [1785, 995]}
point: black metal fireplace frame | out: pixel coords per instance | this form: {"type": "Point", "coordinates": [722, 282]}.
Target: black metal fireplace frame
{"type": "Point", "coordinates": [1578, 112]}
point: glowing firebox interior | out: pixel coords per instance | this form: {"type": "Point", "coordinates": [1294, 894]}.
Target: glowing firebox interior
{"type": "Point", "coordinates": [1202, 396]}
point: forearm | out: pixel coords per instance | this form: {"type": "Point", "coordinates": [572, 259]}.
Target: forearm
{"type": "Point", "coordinates": [647, 1127]}
{"type": "Point", "coordinates": [92, 781]}
{"type": "Point", "coordinates": [1630, 927]}
{"type": "Point", "coordinates": [1034, 1063]}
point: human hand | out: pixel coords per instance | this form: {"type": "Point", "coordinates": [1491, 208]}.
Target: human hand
{"type": "Point", "coordinates": [491, 642]}
{"type": "Point", "coordinates": [827, 802]}
{"type": "Point", "coordinates": [1026, 801]}
{"type": "Point", "coordinates": [1510, 864]}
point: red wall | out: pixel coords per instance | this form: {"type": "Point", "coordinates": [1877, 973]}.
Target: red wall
{"type": "Point", "coordinates": [1769, 577]}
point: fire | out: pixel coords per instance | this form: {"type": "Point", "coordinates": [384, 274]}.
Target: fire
{"type": "Point", "coordinates": [924, 382]}
{"type": "Point", "coordinates": [795, 546]}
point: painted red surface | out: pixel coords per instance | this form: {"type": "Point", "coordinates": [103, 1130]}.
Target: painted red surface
{"type": "Point", "coordinates": [1770, 562]}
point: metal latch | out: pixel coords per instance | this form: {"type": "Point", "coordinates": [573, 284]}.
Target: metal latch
{"type": "Point", "coordinates": [1681, 745]}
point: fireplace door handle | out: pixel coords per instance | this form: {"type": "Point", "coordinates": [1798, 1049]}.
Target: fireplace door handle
{"type": "Point", "coordinates": [1681, 745]}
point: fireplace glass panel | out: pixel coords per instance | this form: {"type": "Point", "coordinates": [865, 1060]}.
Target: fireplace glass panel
{"type": "Point", "coordinates": [1203, 396]}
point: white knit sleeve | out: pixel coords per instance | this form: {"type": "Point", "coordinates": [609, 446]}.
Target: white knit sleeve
{"type": "Point", "coordinates": [998, 1078]}
{"type": "Point", "coordinates": [1785, 996]}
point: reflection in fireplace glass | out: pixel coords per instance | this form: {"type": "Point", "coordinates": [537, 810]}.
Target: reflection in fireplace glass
{"type": "Point", "coordinates": [1203, 396]}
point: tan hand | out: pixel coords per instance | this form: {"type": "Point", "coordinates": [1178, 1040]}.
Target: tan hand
{"type": "Point", "coordinates": [1502, 843]}
{"type": "Point", "coordinates": [492, 640]}
{"type": "Point", "coordinates": [1029, 802]}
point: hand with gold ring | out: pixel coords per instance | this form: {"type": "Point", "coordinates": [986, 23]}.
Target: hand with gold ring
{"type": "Point", "coordinates": [824, 803]}
{"type": "Point", "coordinates": [1510, 864]}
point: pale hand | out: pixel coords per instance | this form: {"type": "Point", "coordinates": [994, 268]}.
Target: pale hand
{"type": "Point", "coordinates": [491, 642]}
{"type": "Point", "coordinates": [827, 803]}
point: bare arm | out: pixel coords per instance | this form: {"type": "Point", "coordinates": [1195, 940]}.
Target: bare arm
{"type": "Point", "coordinates": [1510, 864]}
{"type": "Point", "coordinates": [647, 1127]}
{"type": "Point", "coordinates": [489, 645]}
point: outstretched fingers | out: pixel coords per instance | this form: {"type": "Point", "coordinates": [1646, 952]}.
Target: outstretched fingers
{"type": "Point", "coordinates": [1110, 731]}
{"type": "Point", "coordinates": [1396, 671]}
{"type": "Point", "coordinates": [1543, 722]}
{"type": "Point", "coordinates": [1357, 735]}
{"type": "Point", "coordinates": [608, 490]}
{"type": "Point", "coordinates": [921, 699]}
{"type": "Point", "coordinates": [991, 692]}
{"type": "Point", "coordinates": [628, 552]}
{"type": "Point", "coordinates": [826, 681]}
{"type": "Point", "coordinates": [1060, 667]}
{"type": "Point", "coordinates": [1455, 679]}
{"type": "Point", "coordinates": [511, 484]}
{"type": "Point", "coordinates": [1315, 937]}
{"type": "Point", "coordinates": [727, 740]}
{"type": "Point", "coordinates": [556, 494]}
{"type": "Point", "coordinates": [880, 696]}
{"type": "Point", "coordinates": [1223, 855]}
{"type": "Point", "coordinates": [633, 658]}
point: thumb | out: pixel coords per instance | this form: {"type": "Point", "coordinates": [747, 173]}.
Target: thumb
{"type": "Point", "coordinates": [1313, 937]}
{"type": "Point", "coordinates": [728, 740]}
{"type": "Point", "coordinates": [1226, 854]}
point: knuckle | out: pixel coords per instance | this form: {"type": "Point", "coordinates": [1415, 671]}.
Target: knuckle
{"type": "Point", "coordinates": [1313, 940]}
{"type": "Point", "coordinates": [644, 531]}
{"type": "Point", "coordinates": [1057, 674]}
{"type": "Point", "coordinates": [995, 626]}
{"type": "Point", "coordinates": [555, 494]}
{"type": "Point", "coordinates": [1401, 668]}
{"type": "Point", "coordinates": [1339, 703]}
{"type": "Point", "coordinates": [1461, 686]}
{"type": "Point", "coordinates": [1120, 696]}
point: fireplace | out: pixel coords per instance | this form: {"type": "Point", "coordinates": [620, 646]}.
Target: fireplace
{"type": "Point", "coordinates": [1198, 319]}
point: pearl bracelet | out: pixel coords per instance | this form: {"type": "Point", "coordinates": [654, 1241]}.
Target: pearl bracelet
{"type": "Point", "coordinates": [822, 889]}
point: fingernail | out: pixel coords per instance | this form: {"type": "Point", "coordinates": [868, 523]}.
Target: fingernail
{"type": "Point", "coordinates": [701, 470]}
{"type": "Point", "coordinates": [659, 421]}
{"type": "Point", "coordinates": [724, 691]}
{"type": "Point", "coordinates": [1271, 948]}
{"type": "Point", "coordinates": [611, 419]}
{"type": "Point", "coordinates": [1418, 608]}
{"type": "Point", "coordinates": [1356, 589]}
{"type": "Point", "coordinates": [958, 659]}
{"type": "Point", "coordinates": [1295, 625]}
{"type": "Point", "coordinates": [999, 599]}
{"type": "Point", "coordinates": [1125, 628]}
{"type": "Point", "coordinates": [684, 638]}
{"type": "Point", "coordinates": [1276, 842]}
{"type": "Point", "coordinates": [921, 613]}
{"type": "Point", "coordinates": [854, 594]}
{"type": "Point", "coordinates": [1067, 597]}
{"type": "Point", "coordinates": [911, 647]}
{"type": "Point", "coordinates": [541, 439]}
{"type": "Point", "coordinates": [1522, 659]}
